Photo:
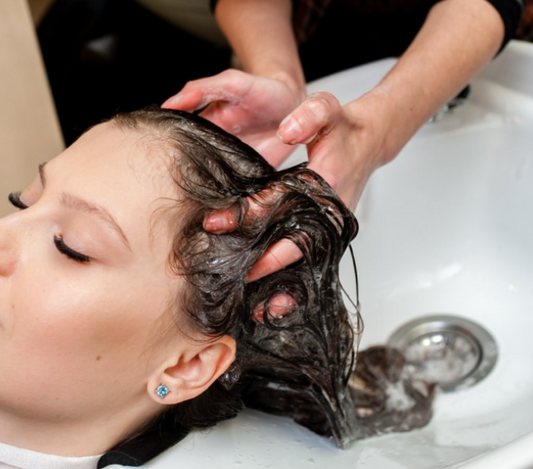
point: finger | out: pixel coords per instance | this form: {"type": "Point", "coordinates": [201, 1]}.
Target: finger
{"type": "Point", "coordinates": [226, 221]}
{"type": "Point", "coordinates": [277, 257]}
{"type": "Point", "coordinates": [197, 94]}
{"type": "Point", "coordinates": [327, 174]}
{"type": "Point", "coordinates": [190, 100]}
{"type": "Point", "coordinates": [272, 149]}
{"type": "Point", "coordinates": [223, 115]}
{"type": "Point", "coordinates": [315, 115]}
{"type": "Point", "coordinates": [221, 221]}
{"type": "Point", "coordinates": [279, 306]}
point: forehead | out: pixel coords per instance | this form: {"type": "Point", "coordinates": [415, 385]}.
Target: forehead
{"type": "Point", "coordinates": [121, 169]}
{"type": "Point", "coordinates": [109, 151]}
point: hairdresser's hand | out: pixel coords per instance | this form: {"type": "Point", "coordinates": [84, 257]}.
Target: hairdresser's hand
{"type": "Point", "coordinates": [248, 106]}
{"type": "Point", "coordinates": [345, 145]}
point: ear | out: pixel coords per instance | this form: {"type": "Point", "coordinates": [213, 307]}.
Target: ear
{"type": "Point", "coordinates": [190, 373]}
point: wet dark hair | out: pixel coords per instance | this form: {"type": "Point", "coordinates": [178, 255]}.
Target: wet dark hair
{"type": "Point", "coordinates": [296, 365]}
{"type": "Point", "coordinates": [301, 365]}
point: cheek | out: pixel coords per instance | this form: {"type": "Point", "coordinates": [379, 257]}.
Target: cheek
{"type": "Point", "coordinates": [88, 321]}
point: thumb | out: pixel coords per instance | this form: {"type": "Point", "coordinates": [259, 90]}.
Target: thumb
{"type": "Point", "coordinates": [314, 116]}
{"type": "Point", "coordinates": [191, 100]}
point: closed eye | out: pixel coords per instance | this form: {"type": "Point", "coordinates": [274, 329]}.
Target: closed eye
{"type": "Point", "coordinates": [14, 198]}
{"type": "Point", "coordinates": [69, 252]}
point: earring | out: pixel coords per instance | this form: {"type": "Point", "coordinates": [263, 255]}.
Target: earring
{"type": "Point", "coordinates": [162, 391]}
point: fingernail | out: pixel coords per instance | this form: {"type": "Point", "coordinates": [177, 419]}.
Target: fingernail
{"type": "Point", "coordinates": [255, 273]}
{"type": "Point", "coordinates": [289, 130]}
{"type": "Point", "coordinates": [309, 140]}
{"type": "Point", "coordinates": [173, 101]}
{"type": "Point", "coordinates": [217, 223]}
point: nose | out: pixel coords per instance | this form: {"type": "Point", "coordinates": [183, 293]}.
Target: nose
{"type": "Point", "coordinates": [8, 250]}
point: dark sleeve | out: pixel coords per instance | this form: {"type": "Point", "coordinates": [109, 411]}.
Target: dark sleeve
{"type": "Point", "coordinates": [511, 12]}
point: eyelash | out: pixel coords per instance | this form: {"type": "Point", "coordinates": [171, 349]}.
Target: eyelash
{"type": "Point", "coordinates": [70, 253]}
{"type": "Point", "coordinates": [14, 198]}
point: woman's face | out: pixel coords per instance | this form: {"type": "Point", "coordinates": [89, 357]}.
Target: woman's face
{"type": "Point", "coordinates": [84, 282]}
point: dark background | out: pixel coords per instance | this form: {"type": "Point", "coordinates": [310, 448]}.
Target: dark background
{"type": "Point", "coordinates": [104, 56]}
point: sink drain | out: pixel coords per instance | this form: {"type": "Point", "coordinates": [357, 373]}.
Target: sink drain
{"type": "Point", "coordinates": [452, 351]}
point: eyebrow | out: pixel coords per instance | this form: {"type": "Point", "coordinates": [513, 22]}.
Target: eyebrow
{"type": "Point", "coordinates": [77, 203]}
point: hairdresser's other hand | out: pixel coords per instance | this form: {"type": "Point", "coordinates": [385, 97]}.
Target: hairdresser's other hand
{"type": "Point", "coordinates": [277, 257]}
{"type": "Point", "coordinates": [247, 106]}
{"type": "Point", "coordinates": [345, 145]}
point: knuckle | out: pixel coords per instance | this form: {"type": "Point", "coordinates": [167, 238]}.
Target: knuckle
{"type": "Point", "coordinates": [231, 74]}
{"type": "Point", "coordinates": [322, 94]}
{"type": "Point", "coordinates": [320, 110]}
{"type": "Point", "coordinates": [319, 107]}
{"type": "Point", "coordinates": [189, 85]}
{"type": "Point", "coordinates": [317, 110]}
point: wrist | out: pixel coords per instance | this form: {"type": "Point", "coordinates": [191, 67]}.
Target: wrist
{"type": "Point", "coordinates": [262, 37]}
{"type": "Point", "coordinates": [294, 81]}
{"type": "Point", "coordinates": [372, 114]}
{"type": "Point", "coordinates": [390, 116]}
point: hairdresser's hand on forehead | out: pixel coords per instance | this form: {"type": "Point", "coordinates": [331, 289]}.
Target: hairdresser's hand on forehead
{"type": "Point", "coordinates": [247, 106]}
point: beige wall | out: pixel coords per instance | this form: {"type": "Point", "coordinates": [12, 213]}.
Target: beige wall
{"type": "Point", "coordinates": [29, 131]}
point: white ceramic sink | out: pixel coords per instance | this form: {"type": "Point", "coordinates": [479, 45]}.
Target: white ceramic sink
{"type": "Point", "coordinates": [446, 228]}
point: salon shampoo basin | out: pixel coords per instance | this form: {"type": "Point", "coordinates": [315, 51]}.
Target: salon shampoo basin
{"type": "Point", "coordinates": [446, 228]}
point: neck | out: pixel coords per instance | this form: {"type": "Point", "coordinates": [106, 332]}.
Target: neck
{"type": "Point", "coordinates": [76, 437]}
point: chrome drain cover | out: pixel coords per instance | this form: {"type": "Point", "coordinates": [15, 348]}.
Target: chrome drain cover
{"type": "Point", "coordinates": [450, 350]}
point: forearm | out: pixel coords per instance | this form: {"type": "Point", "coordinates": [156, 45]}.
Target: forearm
{"type": "Point", "coordinates": [457, 40]}
{"type": "Point", "coordinates": [260, 32]}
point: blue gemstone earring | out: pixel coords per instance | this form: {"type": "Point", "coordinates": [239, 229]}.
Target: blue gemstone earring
{"type": "Point", "coordinates": [162, 391]}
